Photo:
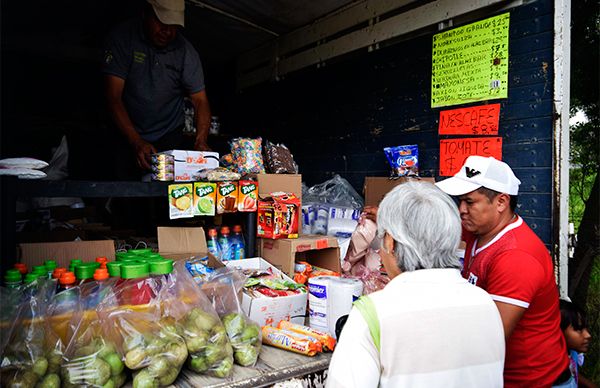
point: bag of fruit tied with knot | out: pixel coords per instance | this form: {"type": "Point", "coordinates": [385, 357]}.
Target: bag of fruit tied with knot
{"type": "Point", "coordinates": [90, 358]}
{"type": "Point", "coordinates": [29, 356]}
{"type": "Point", "coordinates": [207, 343]}
{"type": "Point", "coordinates": [149, 343]}
{"type": "Point", "coordinates": [223, 289]}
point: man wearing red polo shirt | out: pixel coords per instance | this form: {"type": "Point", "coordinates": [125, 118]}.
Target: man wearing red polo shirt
{"type": "Point", "coordinates": [507, 259]}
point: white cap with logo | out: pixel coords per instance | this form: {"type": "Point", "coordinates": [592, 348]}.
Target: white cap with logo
{"type": "Point", "coordinates": [169, 11]}
{"type": "Point", "coordinates": [479, 171]}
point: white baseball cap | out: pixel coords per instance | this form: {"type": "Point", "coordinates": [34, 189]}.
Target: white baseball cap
{"type": "Point", "coordinates": [169, 11]}
{"type": "Point", "coordinates": [479, 171]}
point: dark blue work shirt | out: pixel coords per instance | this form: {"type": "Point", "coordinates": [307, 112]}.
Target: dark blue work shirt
{"type": "Point", "coordinates": [156, 80]}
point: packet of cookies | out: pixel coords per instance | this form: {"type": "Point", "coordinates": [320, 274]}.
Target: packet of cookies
{"type": "Point", "coordinates": [180, 201]}
{"type": "Point", "coordinates": [205, 197]}
{"type": "Point", "coordinates": [227, 197]}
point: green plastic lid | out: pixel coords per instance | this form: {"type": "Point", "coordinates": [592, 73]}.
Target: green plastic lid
{"type": "Point", "coordinates": [12, 276]}
{"type": "Point", "coordinates": [50, 265]}
{"type": "Point", "coordinates": [76, 261]}
{"type": "Point", "coordinates": [129, 260]}
{"type": "Point", "coordinates": [135, 270]}
{"type": "Point", "coordinates": [114, 268]}
{"type": "Point", "coordinates": [154, 255]}
{"type": "Point", "coordinates": [160, 266]}
{"type": "Point", "coordinates": [85, 270]}
{"type": "Point", "coordinates": [30, 278]}
{"type": "Point", "coordinates": [39, 268]}
{"type": "Point", "coordinates": [142, 251]}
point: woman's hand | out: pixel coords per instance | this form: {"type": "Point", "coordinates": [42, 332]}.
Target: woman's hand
{"type": "Point", "coordinates": [370, 212]}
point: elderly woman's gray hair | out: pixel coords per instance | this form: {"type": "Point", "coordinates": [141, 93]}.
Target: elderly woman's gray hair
{"type": "Point", "coordinates": [425, 225]}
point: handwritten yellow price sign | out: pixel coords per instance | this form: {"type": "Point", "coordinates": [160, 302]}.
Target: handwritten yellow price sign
{"type": "Point", "coordinates": [470, 63]}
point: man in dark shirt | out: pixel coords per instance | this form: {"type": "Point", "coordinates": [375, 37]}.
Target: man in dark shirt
{"type": "Point", "coordinates": [149, 69]}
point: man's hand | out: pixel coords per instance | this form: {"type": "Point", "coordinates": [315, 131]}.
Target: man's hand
{"type": "Point", "coordinates": [143, 153]}
{"type": "Point", "coordinates": [370, 212]}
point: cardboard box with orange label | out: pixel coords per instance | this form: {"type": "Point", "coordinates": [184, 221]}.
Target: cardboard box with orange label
{"type": "Point", "coordinates": [322, 251]}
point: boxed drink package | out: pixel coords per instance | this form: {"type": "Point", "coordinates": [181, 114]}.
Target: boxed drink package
{"type": "Point", "coordinates": [205, 194]}
{"type": "Point", "coordinates": [278, 216]}
{"type": "Point", "coordinates": [188, 163]}
{"type": "Point", "coordinates": [180, 201]}
{"type": "Point", "coordinates": [248, 195]}
{"type": "Point", "coordinates": [227, 197]}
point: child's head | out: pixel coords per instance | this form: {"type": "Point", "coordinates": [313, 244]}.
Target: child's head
{"type": "Point", "coordinates": [574, 326]}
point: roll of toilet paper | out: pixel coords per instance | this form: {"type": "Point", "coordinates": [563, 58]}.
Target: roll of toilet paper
{"type": "Point", "coordinates": [318, 291]}
{"type": "Point", "coordinates": [342, 292]}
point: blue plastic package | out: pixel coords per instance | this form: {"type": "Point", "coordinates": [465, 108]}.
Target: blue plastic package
{"type": "Point", "coordinates": [403, 159]}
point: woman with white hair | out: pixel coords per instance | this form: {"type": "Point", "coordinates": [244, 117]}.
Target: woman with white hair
{"type": "Point", "coordinates": [428, 327]}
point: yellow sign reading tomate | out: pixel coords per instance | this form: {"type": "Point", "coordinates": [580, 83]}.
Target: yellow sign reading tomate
{"type": "Point", "coordinates": [470, 63]}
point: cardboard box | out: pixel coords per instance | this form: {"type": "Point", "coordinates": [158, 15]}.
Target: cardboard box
{"type": "Point", "coordinates": [278, 216]}
{"type": "Point", "coordinates": [288, 183]}
{"type": "Point", "coordinates": [63, 252]}
{"type": "Point", "coordinates": [322, 251]}
{"type": "Point", "coordinates": [188, 163]}
{"type": "Point", "coordinates": [375, 188]}
{"type": "Point", "coordinates": [269, 311]}
{"type": "Point", "coordinates": [183, 243]}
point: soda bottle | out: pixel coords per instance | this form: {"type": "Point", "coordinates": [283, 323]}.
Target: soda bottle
{"type": "Point", "coordinates": [213, 244]}
{"type": "Point", "coordinates": [238, 244]}
{"type": "Point", "coordinates": [225, 243]}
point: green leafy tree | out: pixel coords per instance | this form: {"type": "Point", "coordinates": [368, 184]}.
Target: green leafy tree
{"type": "Point", "coordinates": [584, 267]}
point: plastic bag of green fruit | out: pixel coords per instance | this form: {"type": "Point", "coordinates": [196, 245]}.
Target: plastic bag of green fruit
{"type": "Point", "coordinates": [30, 356]}
{"type": "Point", "coordinates": [146, 342]}
{"type": "Point", "coordinates": [91, 358]}
{"type": "Point", "coordinates": [209, 349]}
{"type": "Point", "coordinates": [223, 288]}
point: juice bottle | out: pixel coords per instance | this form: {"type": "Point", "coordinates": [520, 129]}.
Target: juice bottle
{"type": "Point", "coordinates": [237, 243]}
{"type": "Point", "coordinates": [39, 271]}
{"type": "Point", "coordinates": [114, 268]}
{"type": "Point", "coordinates": [50, 266]}
{"type": "Point", "coordinates": [73, 263]}
{"type": "Point", "coordinates": [21, 267]}
{"type": "Point", "coordinates": [225, 243]}
{"type": "Point", "coordinates": [135, 289]}
{"type": "Point", "coordinates": [57, 273]}
{"type": "Point", "coordinates": [66, 281]}
{"type": "Point", "coordinates": [102, 261]}
{"type": "Point", "coordinates": [12, 278]}
{"type": "Point", "coordinates": [213, 243]}
{"type": "Point", "coordinates": [84, 272]}
{"type": "Point", "coordinates": [30, 278]}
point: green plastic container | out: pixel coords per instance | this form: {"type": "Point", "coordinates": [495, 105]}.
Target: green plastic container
{"type": "Point", "coordinates": [135, 270]}
{"type": "Point", "coordinates": [85, 271]}
{"type": "Point", "coordinates": [160, 266]}
{"type": "Point", "coordinates": [12, 278]}
{"type": "Point", "coordinates": [114, 268]}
